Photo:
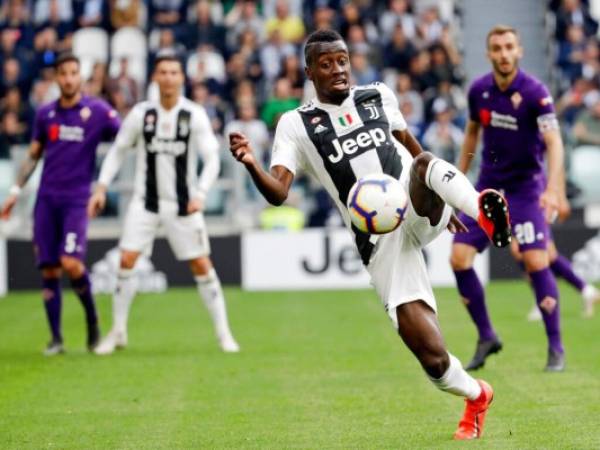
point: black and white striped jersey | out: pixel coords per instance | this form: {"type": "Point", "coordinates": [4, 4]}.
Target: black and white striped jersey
{"type": "Point", "coordinates": [337, 144]}
{"type": "Point", "coordinates": [168, 144]}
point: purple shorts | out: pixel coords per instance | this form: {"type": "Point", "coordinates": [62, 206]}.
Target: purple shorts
{"type": "Point", "coordinates": [59, 228]}
{"type": "Point", "coordinates": [529, 226]}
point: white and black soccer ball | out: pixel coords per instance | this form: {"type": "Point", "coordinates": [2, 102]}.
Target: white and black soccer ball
{"type": "Point", "coordinates": [377, 203]}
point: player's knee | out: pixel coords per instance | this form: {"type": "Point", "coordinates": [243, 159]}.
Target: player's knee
{"type": "Point", "coordinates": [128, 259]}
{"type": "Point", "coordinates": [420, 164]}
{"type": "Point", "coordinates": [516, 253]}
{"type": "Point", "coordinates": [201, 266]}
{"type": "Point", "coordinates": [435, 363]}
{"type": "Point", "coordinates": [72, 266]}
{"type": "Point", "coordinates": [51, 272]}
{"type": "Point", "coordinates": [535, 260]}
{"type": "Point", "coordinates": [459, 261]}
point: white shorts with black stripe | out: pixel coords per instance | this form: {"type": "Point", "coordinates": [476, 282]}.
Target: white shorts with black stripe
{"type": "Point", "coordinates": [187, 235]}
{"type": "Point", "coordinates": [397, 266]}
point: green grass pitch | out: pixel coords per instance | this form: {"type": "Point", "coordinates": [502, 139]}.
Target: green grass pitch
{"type": "Point", "coordinates": [318, 370]}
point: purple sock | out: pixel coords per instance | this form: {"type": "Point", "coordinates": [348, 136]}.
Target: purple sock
{"type": "Point", "coordinates": [83, 289]}
{"type": "Point", "coordinates": [562, 267]}
{"type": "Point", "coordinates": [471, 289]}
{"type": "Point", "coordinates": [544, 285]}
{"type": "Point", "coordinates": [51, 294]}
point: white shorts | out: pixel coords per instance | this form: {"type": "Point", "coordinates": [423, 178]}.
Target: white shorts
{"type": "Point", "coordinates": [397, 266]}
{"type": "Point", "coordinates": [186, 234]}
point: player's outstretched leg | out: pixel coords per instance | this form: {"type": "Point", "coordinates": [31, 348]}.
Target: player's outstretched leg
{"type": "Point", "coordinates": [52, 296]}
{"type": "Point", "coordinates": [419, 329]}
{"type": "Point", "coordinates": [211, 292]}
{"type": "Point", "coordinates": [122, 298]}
{"type": "Point", "coordinates": [80, 282]}
{"type": "Point", "coordinates": [489, 207]}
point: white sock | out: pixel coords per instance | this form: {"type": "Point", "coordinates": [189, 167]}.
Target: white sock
{"type": "Point", "coordinates": [457, 381]}
{"type": "Point", "coordinates": [122, 298]}
{"type": "Point", "coordinates": [209, 288]}
{"type": "Point", "coordinates": [453, 186]}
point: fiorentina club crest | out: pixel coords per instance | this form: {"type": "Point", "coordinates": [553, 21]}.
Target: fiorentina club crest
{"type": "Point", "coordinates": [516, 100]}
{"type": "Point", "coordinates": [85, 113]}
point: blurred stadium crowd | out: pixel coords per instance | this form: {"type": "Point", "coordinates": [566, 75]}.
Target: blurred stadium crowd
{"type": "Point", "coordinates": [244, 64]}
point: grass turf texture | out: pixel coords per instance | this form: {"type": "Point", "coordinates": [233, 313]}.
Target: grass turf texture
{"type": "Point", "coordinates": [318, 370]}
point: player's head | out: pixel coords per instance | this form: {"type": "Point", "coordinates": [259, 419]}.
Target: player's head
{"type": "Point", "coordinates": [68, 75]}
{"type": "Point", "coordinates": [168, 73]}
{"type": "Point", "coordinates": [504, 50]}
{"type": "Point", "coordinates": [328, 65]}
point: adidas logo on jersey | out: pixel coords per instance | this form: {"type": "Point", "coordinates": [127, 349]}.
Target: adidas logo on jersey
{"type": "Point", "coordinates": [320, 129]}
{"type": "Point", "coordinates": [371, 138]}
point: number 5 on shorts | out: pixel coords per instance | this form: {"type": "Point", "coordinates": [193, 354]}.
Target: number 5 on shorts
{"type": "Point", "coordinates": [70, 242]}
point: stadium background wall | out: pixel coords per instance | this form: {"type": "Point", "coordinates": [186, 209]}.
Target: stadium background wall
{"type": "Point", "coordinates": [226, 255]}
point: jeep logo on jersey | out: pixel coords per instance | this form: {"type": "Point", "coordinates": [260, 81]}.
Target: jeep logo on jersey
{"type": "Point", "coordinates": [169, 146]}
{"type": "Point", "coordinates": [349, 146]}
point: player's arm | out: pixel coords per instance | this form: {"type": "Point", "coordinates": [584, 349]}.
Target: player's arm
{"type": "Point", "coordinates": [406, 138]}
{"type": "Point", "coordinates": [208, 149]}
{"type": "Point", "coordinates": [126, 139]}
{"type": "Point", "coordinates": [28, 166]}
{"type": "Point", "coordinates": [469, 146]}
{"type": "Point", "coordinates": [274, 186]}
{"type": "Point", "coordinates": [555, 187]}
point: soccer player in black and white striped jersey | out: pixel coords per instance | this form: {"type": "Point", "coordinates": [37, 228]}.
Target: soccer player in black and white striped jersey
{"type": "Point", "coordinates": [168, 135]}
{"type": "Point", "coordinates": [348, 132]}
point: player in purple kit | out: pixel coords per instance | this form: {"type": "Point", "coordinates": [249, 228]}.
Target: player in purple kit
{"type": "Point", "coordinates": [516, 113]}
{"type": "Point", "coordinates": [66, 132]}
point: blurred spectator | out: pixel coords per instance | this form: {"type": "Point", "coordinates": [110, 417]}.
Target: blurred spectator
{"type": "Point", "coordinates": [292, 70]}
{"type": "Point", "coordinates": [572, 12]}
{"type": "Point", "coordinates": [410, 99]}
{"type": "Point", "coordinates": [590, 67]}
{"type": "Point", "coordinates": [249, 49]}
{"type": "Point", "coordinates": [212, 105]}
{"type": "Point", "coordinates": [453, 95]}
{"type": "Point", "coordinates": [12, 77]}
{"type": "Point", "coordinates": [289, 26]}
{"type": "Point", "coordinates": [323, 18]}
{"type": "Point", "coordinates": [587, 124]}
{"type": "Point", "coordinates": [269, 8]}
{"type": "Point", "coordinates": [281, 101]}
{"type": "Point", "coordinates": [14, 17]}
{"type": "Point", "coordinates": [166, 13]}
{"type": "Point", "coordinates": [398, 52]}
{"type": "Point", "coordinates": [166, 40]}
{"type": "Point", "coordinates": [397, 15]}
{"type": "Point", "coordinates": [362, 70]}
{"type": "Point", "coordinates": [429, 26]}
{"type": "Point", "coordinates": [573, 99]}
{"type": "Point", "coordinates": [124, 86]}
{"type": "Point", "coordinates": [352, 17]}
{"type": "Point", "coordinates": [44, 89]}
{"type": "Point", "coordinates": [45, 46]}
{"type": "Point", "coordinates": [237, 72]}
{"type": "Point", "coordinates": [125, 13]}
{"type": "Point", "coordinates": [204, 30]}
{"type": "Point", "coordinates": [206, 64]}
{"type": "Point", "coordinates": [97, 83]}
{"type": "Point", "coordinates": [442, 137]}
{"type": "Point", "coordinates": [570, 53]}
{"type": "Point", "coordinates": [273, 53]}
{"type": "Point", "coordinates": [12, 132]}
{"type": "Point", "coordinates": [420, 71]}
{"type": "Point", "coordinates": [90, 13]}
{"type": "Point", "coordinates": [57, 15]}
{"type": "Point", "coordinates": [242, 16]}
{"type": "Point", "coordinates": [13, 102]}
{"type": "Point", "coordinates": [441, 66]}
{"type": "Point", "coordinates": [255, 130]}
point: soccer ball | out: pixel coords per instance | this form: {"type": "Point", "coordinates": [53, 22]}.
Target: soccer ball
{"type": "Point", "coordinates": [377, 203]}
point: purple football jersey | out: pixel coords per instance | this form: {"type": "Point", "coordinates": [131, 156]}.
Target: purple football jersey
{"type": "Point", "coordinates": [513, 148]}
{"type": "Point", "coordinates": [69, 137]}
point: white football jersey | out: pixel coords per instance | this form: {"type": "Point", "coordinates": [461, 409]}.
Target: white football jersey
{"type": "Point", "coordinates": [168, 143]}
{"type": "Point", "coordinates": [338, 144]}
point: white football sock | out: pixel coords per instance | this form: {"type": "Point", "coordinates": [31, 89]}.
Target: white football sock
{"type": "Point", "coordinates": [457, 381]}
{"type": "Point", "coordinates": [209, 288]}
{"type": "Point", "coordinates": [122, 298]}
{"type": "Point", "coordinates": [453, 186]}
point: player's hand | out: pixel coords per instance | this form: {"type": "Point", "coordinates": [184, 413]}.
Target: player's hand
{"type": "Point", "coordinates": [195, 204]}
{"type": "Point", "coordinates": [7, 207]}
{"type": "Point", "coordinates": [240, 148]}
{"type": "Point", "coordinates": [549, 201]}
{"type": "Point", "coordinates": [564, 208]}
{"type": "Point", "coordinates": [97, 203]}
{"type": "Point", "coordinates": [455, 225]}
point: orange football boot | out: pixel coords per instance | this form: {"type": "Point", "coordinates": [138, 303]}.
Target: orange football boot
{"type": "Point", "coordinates": [471, 424]}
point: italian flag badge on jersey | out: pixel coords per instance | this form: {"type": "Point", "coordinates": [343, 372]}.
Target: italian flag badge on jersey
{"type": "Point", "coordinates": [345, 120]}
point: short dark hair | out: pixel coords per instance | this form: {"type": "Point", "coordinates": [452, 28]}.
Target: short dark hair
{"type": "Point", "coordinates": [65, 57]}
{"type": "Point", "coordinates": [501, 29]}
{"type": "Point", "coordinates": [316, 37]}
{"type": "Point", "coordinates": [167, 55]}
